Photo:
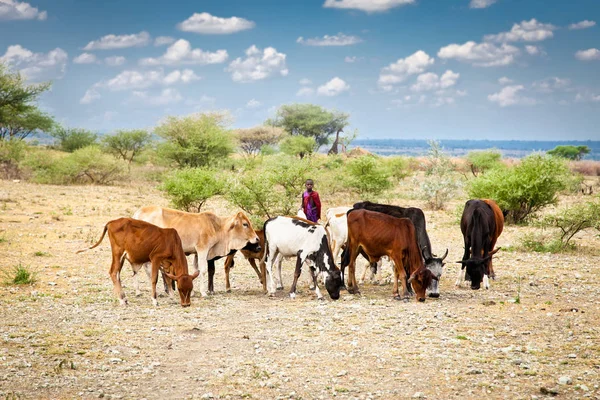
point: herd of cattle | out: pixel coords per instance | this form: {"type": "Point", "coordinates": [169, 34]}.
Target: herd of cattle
{"type": "Point", "coordinates": [159, 239]}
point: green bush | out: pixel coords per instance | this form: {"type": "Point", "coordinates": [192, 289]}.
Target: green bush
{"type": "Point", "coordinates": [482, 161]}
{"type": "Point", "coordinates": [397, 167]}
{"type": "Point", "coordinates": [12, 151]}
{"type": "Point", "coordinates": [197, 140]}
{"type": "Point", "coordinates": [524, 189]}
{"type": "Point", "coordinates": [126, 144]}
{"type": "Point", "coordinates": [440, 182]}
{"type": "Point", "coordinates": [300, 146]}
{"type": "Point", "coordinates": [571, 220]}
{"type": "Point", "coordinates": [19, 275]}
{"type": "Point", "coordinates": [543, 243]}
{"type": "Point", "coordinates": [189, 189]}
{"type": "Point", "coordinates": [71, 139]}
{"type": "Point", "coordinates": [570, 152]}
{"type": "Point", "coordinates": [367, 177]}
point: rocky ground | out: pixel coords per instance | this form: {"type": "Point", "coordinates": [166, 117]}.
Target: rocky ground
{"type": "Point", "coordinates": [533, 334]}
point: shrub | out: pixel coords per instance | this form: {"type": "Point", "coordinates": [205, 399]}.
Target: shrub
{"type": "Point", "coordinates": [126, 144]}
{"type": "Point", "coordinates": [19, 275]}
{"type": "Point", "coordinates": [397, 167]}
{"type": "Point", "coordinates": [11, 154]}
{"type": "Point", "coordinates": [440, 183]}
{"type": "Point", "coordinates": [71, 139]}
{"type": "Point", "coordinates": [570, 152]}
{"type": "Point", "coordinates": [197, 140]}
{"type": "Point", "coordinates": [572, 220]}
{"type": "Point", "coordinates": [524, 189]}
{"type": "Point", "coordinates": [253, 140]}
{"type": "Point", "coordinates": [482, 161]}
{"type": "Point", "coordinates": [298, 145]}
{"type": "Point", "coordinates": [543, 243]}
{"type": "Point", "coordinates": [188, 189]}
{"type": "Point", "coordinates": [367, 177]}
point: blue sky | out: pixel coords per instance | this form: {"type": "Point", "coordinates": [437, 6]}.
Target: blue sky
{"type": "Point", "coordinates": [413, 69]}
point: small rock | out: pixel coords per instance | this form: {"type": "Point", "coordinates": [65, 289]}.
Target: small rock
{"type": "Point", "coordinates": [418, 395]}
{"type": "Point", "coordinates": [572, 356]}
{"type": "Point", "coordinates": [582, 387]}
{"type": "Point", "coordinates": [565, 380]}
{"type": "Point", "coordinates": [342, 373]}
{"type": "Point", "coordinates": [550, 391]}
{"type": "Point", "coordinates": [208, 395]}
{"type": "Point", "coordinates": [475, 372]}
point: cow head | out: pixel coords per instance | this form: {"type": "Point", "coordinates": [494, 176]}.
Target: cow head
{"type": "Point", "coordinates": [421, 280]}
{"type": "Point", "coordinates": [477, 268]}
{"type": "Point", "coordinates": [184, 286]}
{"type": "Point", "coordinates": [241, 233]}
{"type": "Point", "coordinates": [436, 266]}
{"type": "Point", "coordinates": [333, 283]}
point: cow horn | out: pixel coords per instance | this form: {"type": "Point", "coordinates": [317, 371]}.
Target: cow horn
{"type": "Point", "coordinates": [412, 278]}
{"type": "Point", "coordinates": [195, 274]}
{"type": "Point", "coordinates": [170, 276]}
{"type": "Point", "coordinates": [495, 250]}
{"type": "Point", "coordinates": [445, 255]}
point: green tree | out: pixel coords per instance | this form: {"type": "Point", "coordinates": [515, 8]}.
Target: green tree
{"type": "Point", "coordinates": [127, 144]}
{"type": "Point", "coordinates": [570, 152]}
{"type": "Point", "coordinates": [252, 140]}
{"type": "Point", "coordinates": [19, 116]}
{"type": "Point", "coordinates": [367, 177]}
{"type": "Point", "coordinates": [310, 120]}
{"type": "Point", "coordinates": [190, 188]}
{"type": "Point", "coordinates": [298, 145]}
{"type": "Point", "coordinates": [196, 140]}
{"type": "Point", "coordinates": [71, 139]}
{"type": "Point", "coordinates": [571, 220]}
{"type": "Point", "coordinates": [481, 161]}
{"type": "Point", "coordinates": [439, 183]}
{"type": "Point", "coordinates": [525, 188]}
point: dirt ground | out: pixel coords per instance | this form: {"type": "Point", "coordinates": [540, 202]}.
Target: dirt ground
{"type": "Point", "coordinates": [67, 337]}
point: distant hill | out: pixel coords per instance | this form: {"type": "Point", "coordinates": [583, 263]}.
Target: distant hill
{"type": "Point", "coordinates": [508, 148]}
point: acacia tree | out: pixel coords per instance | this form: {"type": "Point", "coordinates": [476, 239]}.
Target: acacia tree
{"type": "Point", "coordinates": [127, 144]}
{"type": "Point", "coordinates": [252, 140]}
{"type": "Point", "coordinates": [574, 153]}
{"type": "Point", "coordinates": [310, 120]}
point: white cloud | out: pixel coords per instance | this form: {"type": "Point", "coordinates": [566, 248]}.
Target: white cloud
{"type": "Point", "coordinates": [131, 79]}
{"type": "Point", "coordinates": [480, 54]}
{"type": "Point", "coordinates": [185, 76]}
{"type": "Point", "coordinates": [181, 52]}
{"type": "Point", "coordinates": [582, 25]}
{"type": "Point", "coordinates": [526, 31]}
{"type": "Point", "coordinates": [163, 40]}
{"type": "Point", "coordinates": [85, 58]}
{"type": "Point", "coordinates": [114, 61]}
{"type": "Point", "coordinates": [305, 91]}
{"type": "Point", "coordinates": [397, 72]}
{"type": "Point", "coordinates": [258, 64]}
{"type": "Point", "coordinates": [17, 10]}
{"type": "Point", "coordinates": [551, 84]}
{"type": "Point", "coordinates": [481, 3]}
{"type": "Point", "coordinates": [431, 81]}
{"type": "Point", "coordinates": [352, 59]}
{"type": "Point", "coordinates": [334, 87]}
{"type": "Point", "coordinates": [166, 97]}
{"type": "Point", "coordinates": [505, 81]}
{"type": "Point", "coordinates": [209, 24]}
{"type": "Point", "coordinates": [110, 42]}
{"type": "Point", "coordinates": [534, 50]}
{"type": "Point", "coordinates": [305, 82]}
{"type": "Point", "coordinates": [90, 96]}
{"type": "Point", "coordinates": [510, 96]}
{"type": "Point", "coordinates": [336, 40]}
{"type": "Point", "coordinates": [369, 6]}
{"type": "Point", "coordinates": [36, 65]}
{"type": "Point", "coordinates": [253, 104]}
{"type": "Point", "coordinates": [588, 55]}
{"type": "Point", "coordinates": [587, 96]}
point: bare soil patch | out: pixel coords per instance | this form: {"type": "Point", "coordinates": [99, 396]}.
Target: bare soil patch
{"type": "Point", "coordinates": [66, 336]}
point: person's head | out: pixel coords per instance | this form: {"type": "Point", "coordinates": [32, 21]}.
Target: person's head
{"type": "Point", "coordinates": [309, 185]}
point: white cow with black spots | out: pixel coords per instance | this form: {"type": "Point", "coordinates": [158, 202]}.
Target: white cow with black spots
{"type": "Point", "coordinates": [307, 241]}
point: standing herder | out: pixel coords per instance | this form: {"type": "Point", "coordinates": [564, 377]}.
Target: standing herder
{"type": "Point", "coordinates": [311, 203]}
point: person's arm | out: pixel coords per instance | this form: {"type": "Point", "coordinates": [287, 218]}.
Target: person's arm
{"type": "Point", "coordinates": [317, 201]}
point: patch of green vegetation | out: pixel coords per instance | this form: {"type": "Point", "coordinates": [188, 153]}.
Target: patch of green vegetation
{"type": "Point", "coordinates": [548, 302]}
{"type": "Point", "coordinates": [41, 254]}
{"type": "Point", "coordinates": [3, 239]}
{"type": "Point", "coordinates": [19, 275]}
{"type": "Point", "coordinates": [462, 337]}
{"type": "Point", "coordinates": [341, 390]}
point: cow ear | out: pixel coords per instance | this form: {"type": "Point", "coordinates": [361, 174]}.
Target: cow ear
{"type": "Point", "coordinates": [195, 275]}
{"type": "Point", "coordinates": [412, 277]}
{"type": "Point", "coordinates": [170, 276]}
{"type": "Point", "coordinates": [495, 251]}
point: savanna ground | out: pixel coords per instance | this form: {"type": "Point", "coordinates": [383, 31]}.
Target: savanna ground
{"type": "Point", "coordinates": [66, 336]}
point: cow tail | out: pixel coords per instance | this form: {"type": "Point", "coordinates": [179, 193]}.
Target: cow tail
{"type": "Point", "coordinates": [98, 243]}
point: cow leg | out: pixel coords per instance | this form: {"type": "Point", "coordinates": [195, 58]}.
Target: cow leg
{"type": "Point", "coordinates": [211, 277]}
{"type": "Point", "coordinates": [315, 279]}
{"type": "Point", "coordinates": [352, 285]}
{"type": "Point", "coordinates": [263, 275]}
{"type": "Point", "coordinates": [136, 278]}
{"type": "Point", "coordinates": [115, 273]}
{"type": "Point", "coordinates": [279, 260]}
{"type": "Point", "coordinates": [229, 263]}
{"type": "Point", "coordinates": [486, 281]}
{"type": "Point", "coordinates": [297, 272]}
{"type": "Point", "coordinates": [400, 273]}
{"type": "Point", "coordinates": [155, 267]}
{"type": "Point", "coordinates": [201, 264]}
{"type": "Point", "coordinates": [272, 255]}
{"type": "Point", "coordinates": [252, 262]}
{"type": "Point", "coordinates": [462, 271]}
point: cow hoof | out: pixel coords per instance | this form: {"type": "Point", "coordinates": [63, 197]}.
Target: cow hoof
{"type": "Point", "coordinates": [271, 294]}
{"type": "Point", "coordinates": [123, 302]}
{"type": "Point", "coordinates": [227, 290]}
{"type": "Point", "coordinates": [321, 298]}
{"type": "Point", "coordinates": [406, 300]}
{"type": "Point", "coordinates": [155, 302]}
{"type": "Point", "coordinates": [292, 295]}
{"type": "Point", "coordinates": [397, 297]}
{"type": "Point", "coordinates": [211, 292]}
{"type": "Point", "coordinates": [279, 287]}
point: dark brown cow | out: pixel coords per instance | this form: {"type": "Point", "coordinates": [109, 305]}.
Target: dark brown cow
{"type": "Point", "coordinates": [140, 242]}
{"type": "Point", "coordinates": [481, 225]}
{"type": "Point", "coordinates": [381, 235]}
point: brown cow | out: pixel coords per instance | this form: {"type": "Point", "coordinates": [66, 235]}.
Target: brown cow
{"type": "Point", "coordinates": [140, 242]}
{"type": "Point", "coordinates": [381, 235]}
{"type": "Point", "coordinates": [481, 225]}
{"type": "Point", "coordinates": [251, 256]}
{"type": "Point", "coordinates": [205, 234]}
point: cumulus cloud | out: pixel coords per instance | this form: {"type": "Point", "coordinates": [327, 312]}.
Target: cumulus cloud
{"type": "Point", "coordinates": [336, 40]}
{"type": "Point", "coordinates": [166, 97]}
{"type": "Point", "coordinates": [397, 72]}
{"type": "Point", "coordinates": [131, 79]}
{"type": "Point", "coordinates": [305, 91]}
{"type": "Point", "coordinates": [181, 52]}
{"type": "Point", "coordinates": [334, 87]}
{"type": "Point", "coordinates": [587, 97]}
{"type": "Point", "coordinates": [110, 42]}
{"type": "Point", "coordinates": [582, 25]}
{"type": "Point", "coordinates": [36, 66]}
{"type": "Point", "coordinates": [114, 61]}
{"type": "Point", "coordinates": [534, 50]}
{"type": "Point", "coordinates": [19, 10]}
{"type": "Point", "coordinates": [253, 103]}
{"type": "Point", "coordinates": [163, 41]}
{"type": "Point", "coordinates": [305, 82]}
{"type": "Point", "coordinates": [551, 84]}
{"type": "Point", "coordinates": [258, 64]}
{"type": "Point", "coordinates": [480, 54]}
{"type": "Point", "coordinates": [510, 96]}
{"type": "Point", "coordinates": [208, 24]}
{"type": "Point", "coordinates": [90, 96]}
{"type": "Point", "coordinates": [588, 55]}
{"type": "Point", "coordinates": [431, 81]}
{"type": "Point", "coordinates": [369, 6]}
{"type": "Point", "coordinates": [481, 3]}
{"type": "Point", "coordinates": [85, 58]}
{"type": "Point", "coordinates": [526, 31]}
{"type": "Point", "coordinates": [505, 81]}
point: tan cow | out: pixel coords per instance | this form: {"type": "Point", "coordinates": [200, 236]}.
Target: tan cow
{"type": "Point", "coordinates": [205, 234]}
{"type": "Point", "coordinates": [140, 242]}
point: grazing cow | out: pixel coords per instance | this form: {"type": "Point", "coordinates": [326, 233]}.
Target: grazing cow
{"type": "Point", "coordinates": [251, 254]}
{"type": "Point", "coordinates": [481, 224]}
{"type": "Point", "coordinates": [337, 227]}
{"type": "Point", "coordinates": [293, 236]}
{"type": "Point", "coordinates": [204, 234]}
{"type": "Point", "coordinates": [433, 263]}
{"type": "Point", "coordinates": [140, 242]}
{"type": "Point", "coordinates": [381, 235]}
